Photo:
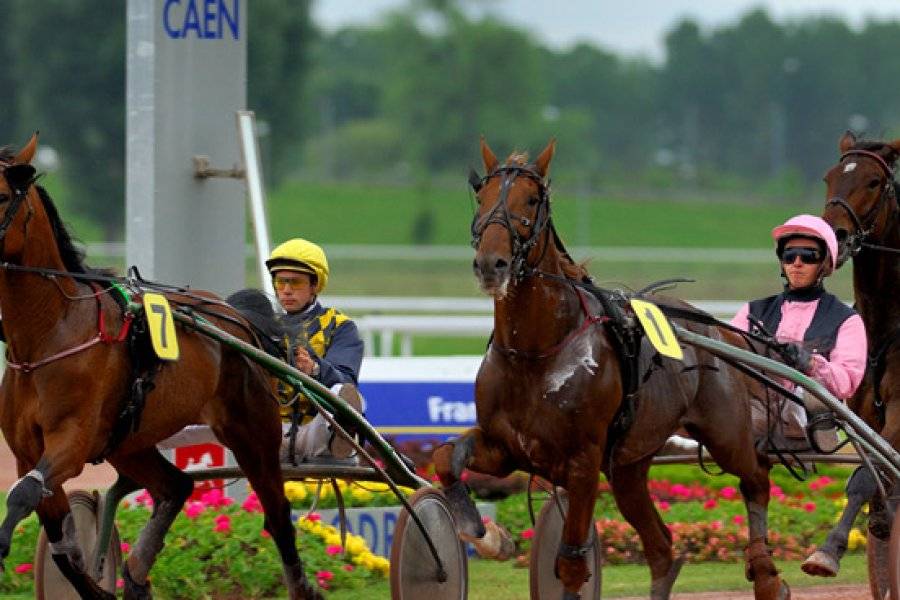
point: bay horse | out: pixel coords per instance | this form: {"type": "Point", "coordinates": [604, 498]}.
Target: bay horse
{"type": "Point", "coordinates": [69, 373]}
{"type": "Point", "coordinates": [862, 208]}
{"type": "Point", "coordinates": [551, 389]}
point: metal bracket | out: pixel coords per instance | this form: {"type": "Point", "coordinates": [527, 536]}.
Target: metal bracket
{"type": "Point", "coordinates": [203, 170]}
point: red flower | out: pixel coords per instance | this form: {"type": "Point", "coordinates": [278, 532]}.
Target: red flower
{"type": "Point", "coordinates": [24, 568]}
{"type": "Point", "coordinates": [527, 534]}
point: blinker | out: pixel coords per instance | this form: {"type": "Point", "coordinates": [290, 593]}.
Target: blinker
{"type": "Point", "coordinates": [19, 177]}
{"type": "Point", "coordinates": [475, 180]}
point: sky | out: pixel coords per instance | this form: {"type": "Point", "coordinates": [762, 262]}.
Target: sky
{"type": "Point", "coordinates": [633, 28]}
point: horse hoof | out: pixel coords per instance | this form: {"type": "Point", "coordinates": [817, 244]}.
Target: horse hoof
{"type": "Point", "coordinates": [496, 544]}
{"type": "Point", "coordinates": [821, 564]}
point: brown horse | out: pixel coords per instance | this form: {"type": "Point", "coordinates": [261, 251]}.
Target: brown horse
{"type": "Point", "coordinates": [862, 207]}
{"type": "Point", "coordinates": [550, 390]}
{"type": "Point", "coordinates": [68, 378]}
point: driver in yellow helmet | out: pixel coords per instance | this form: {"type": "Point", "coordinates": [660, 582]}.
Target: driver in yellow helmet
{"type": "Point", "coordinates": [322, 342]}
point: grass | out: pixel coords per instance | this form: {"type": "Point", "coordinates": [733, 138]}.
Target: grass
{"type": "Point", "coordinates": [349, 213]}
{"type": "Point", "coordinates": [501, 581]}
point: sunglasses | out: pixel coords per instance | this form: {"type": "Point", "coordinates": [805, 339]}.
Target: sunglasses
{"type": "Point", "coordinates": [295, 283]}
{"type": "Point", "coordinates": [808, 256]}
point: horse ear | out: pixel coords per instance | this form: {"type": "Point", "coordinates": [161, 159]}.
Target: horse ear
{"type": "Point", "coordinates": [848, 140]}
{"type": "Point", "coordinates": [542, 163]}
{"type": "Point", "coordinates": [27, 153]}
{"type": "Point", "coordinates": [488, 157]}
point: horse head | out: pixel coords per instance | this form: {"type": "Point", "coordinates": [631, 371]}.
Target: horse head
{"type": "Point", "coordinates": [513, 211]}
{"type": "Point", "coordinates": [15, 186]}
{"type": "Point", "coordinates": [861, 194]}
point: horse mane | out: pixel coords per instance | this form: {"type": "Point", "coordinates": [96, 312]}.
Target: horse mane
{"type": "Point", "coordinates": [6, 154]}
{"type": "Point", "coordinates": [571, 269]}
{"type": "Point", "coordinates": [72, 257]}
{"type": "Point", "coordinates": [876, 146]}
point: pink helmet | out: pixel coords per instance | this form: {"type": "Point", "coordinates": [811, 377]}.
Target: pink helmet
{"type": "Point", "coordinates": [809, 226]}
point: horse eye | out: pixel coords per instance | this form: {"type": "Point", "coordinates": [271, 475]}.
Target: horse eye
{"type": "Point", "coordinates": [874, 184]}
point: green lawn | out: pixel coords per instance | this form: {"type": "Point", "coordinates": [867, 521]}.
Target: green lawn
{"type": "Point", "coordinates": [502, 581]}
{"type": "Point", "coordinates": [354, 214]}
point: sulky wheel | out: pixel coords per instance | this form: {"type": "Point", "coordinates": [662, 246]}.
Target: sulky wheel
{"type": "Point", "coordinates": [893, 558]}
{"type": "Point", "coordinates": [878, 562]}
{"type": "Point", "coordinates": [542, 563]}
{"type": "Point", "coordinates": [49, 582]}
{"type": "Point", "coordinates": [414, 574]}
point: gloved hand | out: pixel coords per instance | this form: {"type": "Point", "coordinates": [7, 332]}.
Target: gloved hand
{"type": "Point", "coordinates": [796, 356]}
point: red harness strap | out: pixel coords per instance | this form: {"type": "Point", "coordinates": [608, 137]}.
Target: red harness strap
{"type": "Point", "coordinates": [102, 336]}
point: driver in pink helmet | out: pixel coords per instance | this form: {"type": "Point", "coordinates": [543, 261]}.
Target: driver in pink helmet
{"type": "Point", "coordinates": [824, 337]}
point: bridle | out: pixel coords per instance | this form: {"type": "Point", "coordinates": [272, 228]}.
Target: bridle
{"type": "Point", "coordinates": [501, 215]}
{"type": "Point", "coordinates": [19, 190]}
{"type": "Point", "coordinates": [857, 239]}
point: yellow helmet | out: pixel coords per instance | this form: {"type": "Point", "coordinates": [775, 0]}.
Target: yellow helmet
{"type": "Point", "coordinates": [302, 256]}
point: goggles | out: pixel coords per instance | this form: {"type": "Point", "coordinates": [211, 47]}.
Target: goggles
{"type": "Point", "coordinates": [295, 283]}
{"type": "Point", "coordinates": [808, 256]}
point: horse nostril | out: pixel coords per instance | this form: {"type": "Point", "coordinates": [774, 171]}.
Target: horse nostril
{"type": "Point", "coordinates": [500, 264]}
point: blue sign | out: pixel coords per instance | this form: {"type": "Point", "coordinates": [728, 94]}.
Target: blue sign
{"type": "Point", "coordinates": [201, 19]}
{"type": "Point", "coordinates": [420, 397]}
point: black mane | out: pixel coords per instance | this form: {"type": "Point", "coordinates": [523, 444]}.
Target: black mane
{"type": "Point", "coordinates": [72, 257]}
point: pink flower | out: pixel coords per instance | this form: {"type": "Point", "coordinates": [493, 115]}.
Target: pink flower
{"type": "Point", "coordinates": [664, 506]}
{"type": "Point", "coordinates": [485, 519]}
{"type": "Point", "coordinates": [323, 577]}
{"type": "Point", "coordinates": [333, 549]}
{"type": "Point", "coordinates": [252, 504]}
{"type": "Point", "coordinates": [120, 583]}
{"type": "Point", "coordinates": [738, 520]}
{"type": "Point", "coordinates": [728, 492]}
{"type": "Point", "coordinates": [222, 524]}
{"type": "Point", "coordinates": [193, 509]}
{"type": "Point", "coordinates": [24, 568]}
{"type": "Point", "coordinates": [710, 504]}
{"type": "Point", "coordinates": [264, 533]}
{"type": "Point", "coordinates": [314, 517]}
{"type": "Point", "coordinates": [527, 534]}
{"type": "Point", "coordinates": [809, 507]}
{"type": "Point", "coordinates": [144, 499]}
{"type": "Point", "coordinates": [125, 547]}
{"type": "Point", "coordinates": [715, 525]}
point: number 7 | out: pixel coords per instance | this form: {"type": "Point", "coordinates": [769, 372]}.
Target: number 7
{"type": "Point", "coordinates": [161, 311]}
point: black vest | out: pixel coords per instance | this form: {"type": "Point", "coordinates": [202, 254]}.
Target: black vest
{"type": "Point", "coordinates": [821, 335]}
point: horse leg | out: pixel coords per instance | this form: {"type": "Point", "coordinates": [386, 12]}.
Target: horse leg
{"type": "Point", "coordinates": [825, 562]}
{"type": "Point", "coordinates": [472, 450]}
{"type": "Point", "coordinates": [577, 534]}
{"type": "Point", "coordinates": [59, 461]}
{"type": "Point", "coordinates": [257, 455]}
{"type": "Point", "coordinates": [56, 517]}
{"type": "Point", "coordinates": [169, 488]}
{"type": "Point", "coordinates": [629, 487]}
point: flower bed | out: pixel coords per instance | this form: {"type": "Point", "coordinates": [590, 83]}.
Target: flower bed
{"type": "Point", "coordinates": [707, 517]}
{"type": "Point", "coordinates": [216, 548]}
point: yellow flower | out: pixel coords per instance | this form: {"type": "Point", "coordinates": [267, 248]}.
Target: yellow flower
{"type": "Point", "coordinates": [857, 538]}
{"type": "Point", "coordinates": [378, 486]}
{"type": "Point", "coordinates": [360, 495]}
{"type": "Point", "coordinates": [356, 544]}
{"type": "Point", "coordinates": [295, 491]}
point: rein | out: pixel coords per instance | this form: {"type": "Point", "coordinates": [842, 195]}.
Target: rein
{"type": "Point", "coordinates": [102, 337]}
{"type": "Point", "coordinates": [857, 240]}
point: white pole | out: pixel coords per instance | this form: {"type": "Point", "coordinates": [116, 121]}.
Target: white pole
{"type": "Point", "coordinates": [246, 124]}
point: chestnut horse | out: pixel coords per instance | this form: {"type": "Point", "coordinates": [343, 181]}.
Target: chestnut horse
{"type": "Point", "coordinates": [68, 378]}
{"type": "Point", "coordinates": [552, 384]}
{"type": "Point", "coordinates": [862, 207]}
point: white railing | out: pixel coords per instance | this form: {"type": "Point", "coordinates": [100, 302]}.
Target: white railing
{"type": "Point", "coordinates": [384, 328]}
